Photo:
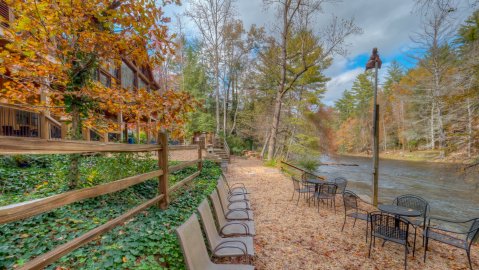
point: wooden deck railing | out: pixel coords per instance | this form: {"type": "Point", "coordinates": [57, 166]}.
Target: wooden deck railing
{"type": "Point", "coordinates": [302, 170]}
{"type": "Point", "coordinates": [20, 211]}
{"type": "Point", "coordinates": [18, 121]}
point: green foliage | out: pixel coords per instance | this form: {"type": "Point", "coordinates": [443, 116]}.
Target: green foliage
{"type": "Point", "coordinates": [310, 163]}
{"type": "Point", "coordinates": [147, 241]}
{"type": "Point", "coordinates": [44, 175]}
{"type": "Point", "coordinates": [271, 163]}
{"type": "Point", "coordinates": [200, 121]}
{"type": "Point", "coordinates": [237, 144]}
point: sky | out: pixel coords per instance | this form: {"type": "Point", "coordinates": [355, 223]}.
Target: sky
{"type": "Point", "coordinates": [386, 24]}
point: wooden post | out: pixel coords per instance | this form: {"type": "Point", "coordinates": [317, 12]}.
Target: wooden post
{"type": "Point", "coordinates": [105, 137]}
{"type": "Point", "coordinates": [138, 132]}
{"type": "Point", "coordinates": [64, 128]}
{"type": "Point", "coordinates": [163, 165]}
{"type": "Point", "coordinates": [44, 130]}
{"type": "Point", "coordinates": [200, 153]}
{"type": "Point", "coordinates": [86, 134]}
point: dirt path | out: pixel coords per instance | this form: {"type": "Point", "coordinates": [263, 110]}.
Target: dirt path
{"type": "Point", "coordinates": [291, 236]}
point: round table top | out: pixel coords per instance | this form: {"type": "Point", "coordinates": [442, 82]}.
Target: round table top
{"type": "Point", "coordinates": [315, 181]}
{"type": "Point", "coordinates": [399, 210]}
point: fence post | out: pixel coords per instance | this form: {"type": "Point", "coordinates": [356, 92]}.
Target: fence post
{"type": "Point", "coordinates": [44, 130]}
{"type": "Point", "coordinates": [163, 164]}
{"type": "Point", "coordinates": [200, 153]}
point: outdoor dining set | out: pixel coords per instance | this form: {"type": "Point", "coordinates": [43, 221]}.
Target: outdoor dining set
{"type": "Point", "coordinates": [389, 222]}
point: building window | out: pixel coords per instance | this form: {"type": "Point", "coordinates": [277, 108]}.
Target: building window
{"type": "Point", "coordinates": [104, 79]}
{"type": "Point", "coordinates": [143, 85]}
{"type": "Point", "coordinates": [127, 76]}
{"type": "Point", "coordinates": [4, 12]}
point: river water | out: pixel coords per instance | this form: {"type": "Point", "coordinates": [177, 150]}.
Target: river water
{"type": "Point", "coordinates": [451, 193]}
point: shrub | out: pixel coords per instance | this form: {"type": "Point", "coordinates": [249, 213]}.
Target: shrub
{"type": "Point", "coordinates": [310, 163]}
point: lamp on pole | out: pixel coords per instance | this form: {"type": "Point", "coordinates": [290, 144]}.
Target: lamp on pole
{"type": "Point", "coordinates": [375, 62]}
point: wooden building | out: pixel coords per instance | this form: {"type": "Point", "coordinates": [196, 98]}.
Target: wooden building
{"type": "Point", "coordinates": [18, 120]}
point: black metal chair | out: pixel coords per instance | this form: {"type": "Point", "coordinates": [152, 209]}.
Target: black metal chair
{"type": "Point", "coordinates": [453, 238]}
{"type": "Point", "coordinates": [416, 203]}
{"type": "Point", "coordinates": [305, 176]}
{"type": "Point", "coordinates": [351, 209]}
{"type": "Point", "coordinates": [341, 182]}
{"type": "Point", "coordinates": [389, 228]}
{"type": "Point", "coordinates": [326, 192]}
{"type": "Point", "coordinates": [299, 188]}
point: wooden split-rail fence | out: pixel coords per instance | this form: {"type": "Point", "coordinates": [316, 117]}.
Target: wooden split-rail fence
{"type": "Point", "coordinates": [286, 166]}
{"type": "Point", "coordinates": [20, 211]}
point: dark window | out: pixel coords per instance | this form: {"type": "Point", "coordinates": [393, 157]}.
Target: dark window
{"type": "Point", "coordinates": [127, 76]}
{"type": "Point", "coordinates": [105, 79]}
{"type": "Point", "coordinates": [4, 13]}
{"type": "Point", "coordinates": [142, 84]}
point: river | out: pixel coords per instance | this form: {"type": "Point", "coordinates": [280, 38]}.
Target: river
{"type": "Point", "coordinates": [450, 193]}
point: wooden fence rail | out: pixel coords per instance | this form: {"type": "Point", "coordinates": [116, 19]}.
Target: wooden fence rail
{"type": "Point", "coordinates": [302, 170]}
{"type": "Point", "coordinates": [19, 211]}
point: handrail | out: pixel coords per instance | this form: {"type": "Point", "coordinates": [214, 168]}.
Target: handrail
{"type": "Point", "coordinates": [21, 145]}
{"type": "Point", "coordinates": [53, 121]}
{"type": "Point", "coordinates": [303, 170]}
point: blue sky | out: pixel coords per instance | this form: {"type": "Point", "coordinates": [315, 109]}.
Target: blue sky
{"type": "Point", "coordinates": [386, 24]}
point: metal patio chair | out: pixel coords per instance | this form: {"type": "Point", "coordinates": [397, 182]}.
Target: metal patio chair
{"type": "Point", "coordinates": [351, 209]}
{"type": "Point", "coordinates": [232, 196]}
{"type": "Point", "coordinates": [194, 249]}
{"type": "Point", "coordinates": [462, 240]}
{"type": "Point", "coordinates": [233, 214]}
{"type": "Point", "coordinates": [232, 202]}
{"type": "Point", "coordinates": [235, 188]}
{"type": "Point", "coordinates": [416, 203]}
{"type": "Point", "coordinates": [326, 192]}
{"type": "Point", "coordinates": [341, 182]}
{"type": "Point", "coordinates": [299, 188]}
{"type": "Point", "coordinates": [230, 228]}
{"type": "Point", "coordinates": [241, 246]}
{"type": "Point", "coordinates": [389, 228]}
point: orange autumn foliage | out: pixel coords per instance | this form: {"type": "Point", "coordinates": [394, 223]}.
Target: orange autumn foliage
{"type": "Point", "coordinates": [56, 45]}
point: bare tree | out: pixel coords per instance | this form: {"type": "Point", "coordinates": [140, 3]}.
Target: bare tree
{"type": "Point", "coordinates": [434, 40]}
{"type": "Point", "coordinates": [296, 15]}
{"type": "Point", "coordinates": [211, 17]}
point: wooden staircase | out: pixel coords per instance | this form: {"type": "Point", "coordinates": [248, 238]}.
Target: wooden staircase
{"type": "Point", "coordinates": [219, 152]}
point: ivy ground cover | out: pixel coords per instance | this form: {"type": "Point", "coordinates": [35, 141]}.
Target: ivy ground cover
{"type": "Point", "coordinates": [146, 241]}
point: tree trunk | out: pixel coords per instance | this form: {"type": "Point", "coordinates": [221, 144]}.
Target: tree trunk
{"type": "Point", "coordinates": [442, 133]}
{"type": "Point", "coordinates": [74, 172]}
{"type": "Point", "coordinates": [279, 94]}
{"type": "Point", "coordinates": [217, 95]}
{"type": "Point", "coordinates": [431, 121]}
{"type": "Point", "coordinates": [385, 134]}
{"type": "Point", "coordinates": [274, 126]}
{"type": "Point", "coordinates": [469, 128]}
{"type": "Point", "coordinates": [265, 145]}
{"type": "Point", "coordinates": [225, 108]}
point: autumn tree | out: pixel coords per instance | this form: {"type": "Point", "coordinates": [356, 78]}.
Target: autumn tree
{"type": "Point", "coordinates": [211, 17]}
{"type": "Point", "coordinates": [56, 46]}
{"type": "Point", "coordinates": [295, 17]}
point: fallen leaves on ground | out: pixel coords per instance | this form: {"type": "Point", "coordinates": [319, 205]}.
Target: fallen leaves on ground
{"type": "Point", "coordinates": [291, 236]}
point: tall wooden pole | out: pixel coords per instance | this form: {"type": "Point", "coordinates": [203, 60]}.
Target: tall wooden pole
{"type": "Point", "coordinates": [376, 138]}
{"type": "Point", "coordinates": [163, 165]}
{"type": "Point", "coordinates": [200, 162]}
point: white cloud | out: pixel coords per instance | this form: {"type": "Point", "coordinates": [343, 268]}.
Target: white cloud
{"type": "Point", "coordinates": [386, 24]}
{"type": "Point", "coordinates": [339, 83]}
